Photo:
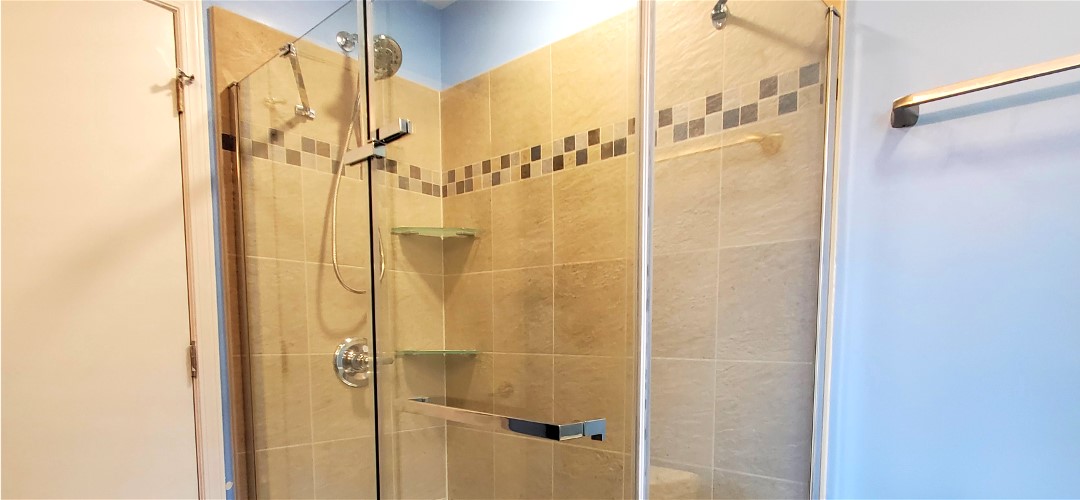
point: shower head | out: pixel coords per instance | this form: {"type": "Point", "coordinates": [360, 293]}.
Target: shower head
{"type": "Point", "coordinates": [387, 56]}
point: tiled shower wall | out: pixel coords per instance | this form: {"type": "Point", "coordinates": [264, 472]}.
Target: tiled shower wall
{"type": "Point", "coordinates": [736, 239]}
{"type": "Point", "coordinates": [536, 157]}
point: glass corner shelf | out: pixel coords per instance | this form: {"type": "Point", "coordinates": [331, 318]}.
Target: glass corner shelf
{"type": "Point", "coordinates": [438, 352]}
{"type": "Point", "coordinates": [436, 232]}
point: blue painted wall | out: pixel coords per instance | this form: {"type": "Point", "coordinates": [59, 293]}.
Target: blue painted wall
{"type": "Point", "coordinates": [957, 343]}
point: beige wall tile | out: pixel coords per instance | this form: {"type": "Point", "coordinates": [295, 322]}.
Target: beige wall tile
{"type": "Point", "coordinates": [414, 318]}
{"type": "Point", "coordinates": [345, 469]}
{"type": "Point", "coordinates": [281, 401]}
{"type": "Point", "coordinates": [727, 484]}
{"type": "Point", "coordinates": [334, 313]}
{"type": "Point", "coordinates": [468, 312]}
{"type": "Point", "coordinates": [768, 302]}
{"type": "Point", "coordinates": [671, 481]}
{"type": "Point", "coordinates": [523, 386]}
{"type": "Point", "coordinates": [681, 419]}
{"type": "Point", "coordinates": [590, 308]}
{"type": "Point", "coordinates": [588, 387]}
{"type": "Point", "coordinates": [421, 467]}
{"type": "Point", "coordinates": [273, 211]}
{"type": "Point", "coordinates": [524, 310]}
{"type": "Point", "coordinates": [522, 467]}
{"type": "Point", "coordinates": [590, 212]}
{"type": "Point", "coordinates": [337, 410]}
{"type": "Point", "coordinates": [331, 87]}
{"type": "Point", "coordinates": [773, 198]}
{"type": "Point", "coordinates": [397, 208]}
{"type": "Point", "coordinates": [401, 98]}
{"type": "Point", "coordinates": [276, 307]}
{"type": "Point", "coordinates": [409, 377]}
{"type": "Point", "coordinates": [466, 255]}
{"type": "Point", "coordinates": [466, 123]}
{"type": "Point", "coordinates": [686, 203]}
{"type": "Point", "coordinates": [469, 382]}
{"type": "Point", "coordinates": [764, 418]}
{"type": "Point", "coordinates": [684, 305]}
{"type": "Point", "coordinates": [470, 465]}
{"type": "Point", "coordinates": [521, 102]}
{"type": "Point", "coordinates": [522, 224]}
{"type": "Point", "coordinates": [285, 473]}
{"type": "Point", "coordinates": [240, 45]}
{"type": "Point", "coordinates": [689, 52]}
{"type": "Point", "coordinates": [589, 78]}
{"type": "Point", "coordinates": [352, 219]}
{"type": "Point", "coordinates": [584, 473]}
{"type": "Point", "coordinates": [769, 37]}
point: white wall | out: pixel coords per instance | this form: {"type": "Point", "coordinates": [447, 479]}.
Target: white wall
{"type": "Point", "coordinates": [957, 348]}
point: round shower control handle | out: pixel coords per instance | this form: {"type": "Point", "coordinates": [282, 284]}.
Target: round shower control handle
{"type": "Point", "coordinates": [353, 362]}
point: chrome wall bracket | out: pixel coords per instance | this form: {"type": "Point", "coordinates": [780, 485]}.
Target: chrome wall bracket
{"type": "Point", "coordinates": [304, 108]}
{"type": "Point", "coordinates": [363, 153]}
{"type": "Point", "coordinates": [719, 14]}
{"type": "Point", "coordinates": [393, 131]}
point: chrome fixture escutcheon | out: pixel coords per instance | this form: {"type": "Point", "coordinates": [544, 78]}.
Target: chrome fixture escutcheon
{"type": "Point", "coordinates": [719, 14]}
{"type": "Point", "coordinates": [353, 362]}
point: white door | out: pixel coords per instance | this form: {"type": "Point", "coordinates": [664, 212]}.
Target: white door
{"type": "Point", "coordinates": [96, 388]}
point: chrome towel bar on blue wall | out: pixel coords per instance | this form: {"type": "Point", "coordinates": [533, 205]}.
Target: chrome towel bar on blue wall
{"type": "Point", "coordinates": [905, 110]}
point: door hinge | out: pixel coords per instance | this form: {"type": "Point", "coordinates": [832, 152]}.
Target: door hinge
{"type": "Point", "coordinates": [193, 359]}
{"type": "Point", "coordinates": [182, 79]}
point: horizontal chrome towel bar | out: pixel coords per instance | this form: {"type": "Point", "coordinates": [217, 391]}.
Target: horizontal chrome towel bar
{"type": "Point", "coordinates": [593, 429]}
{"type": "Point", "coordinates": [905, 110]}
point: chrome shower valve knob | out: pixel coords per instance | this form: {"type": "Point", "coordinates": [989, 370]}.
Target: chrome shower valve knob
{"type": "Point", "coordinates": [353, 362]}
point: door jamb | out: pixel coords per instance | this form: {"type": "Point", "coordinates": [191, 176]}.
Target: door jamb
{"type": "Point", "coordinates": [201, 246]}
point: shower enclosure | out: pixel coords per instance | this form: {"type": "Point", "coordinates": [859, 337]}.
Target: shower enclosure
{"type": "Point", "coordinates": [436, 253]}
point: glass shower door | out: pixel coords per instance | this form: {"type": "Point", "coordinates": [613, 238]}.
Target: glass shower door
{"type": "Point", "coordinates": [306, 433]}
{"type": "Point", "coordinates": [505, 225]}
{"type": "Point", "coordinates": [737, 229]}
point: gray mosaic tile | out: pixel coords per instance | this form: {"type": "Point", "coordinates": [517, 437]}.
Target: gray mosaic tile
{"type": "Point", "coordinates": [808, 75]}
{"type": "Point", "coordinates": [788, 103]}
{"type": "Point", "coordinates": [767, 87]}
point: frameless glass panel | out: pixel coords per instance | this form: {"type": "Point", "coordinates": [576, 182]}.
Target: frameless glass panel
{"type": "Point", "coordinates": [738, 187]}
{"type": "Point", "coordinates": [523, 137]}
{"type": "Point", "coordinates": [310, 426]}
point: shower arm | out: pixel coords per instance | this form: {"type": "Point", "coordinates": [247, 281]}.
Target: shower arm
{"type": "Point", "coordinates": [304, 108]}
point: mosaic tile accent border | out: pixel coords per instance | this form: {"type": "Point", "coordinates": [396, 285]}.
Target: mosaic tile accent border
{"type": "Point", "coordinates": [307, 152]}
{"type": "Point", "coordinates": [288, 148]}
{"type": "Point", "coordinates": [769, 97]}
{"type": "Point", "coordinates": [777, 95]}
{"type": "Point", "coordinates": [583, 148]}
{"type": "Point", "coordinates": [394, 174]}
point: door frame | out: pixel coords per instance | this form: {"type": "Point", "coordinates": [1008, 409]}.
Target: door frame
{"type": "Point", "coordinates": [201, 242]}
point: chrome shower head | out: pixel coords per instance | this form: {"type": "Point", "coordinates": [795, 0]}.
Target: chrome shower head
{"type": "Point", "coordinates": [387, 57]}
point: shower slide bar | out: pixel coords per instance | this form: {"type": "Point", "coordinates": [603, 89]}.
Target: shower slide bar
{"type": "Point", "coordinates": [593, 429]}
{"type": "Point", "coordinates": [304, 108]}
{"type": "Point", "coordinates": [905, 110]}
